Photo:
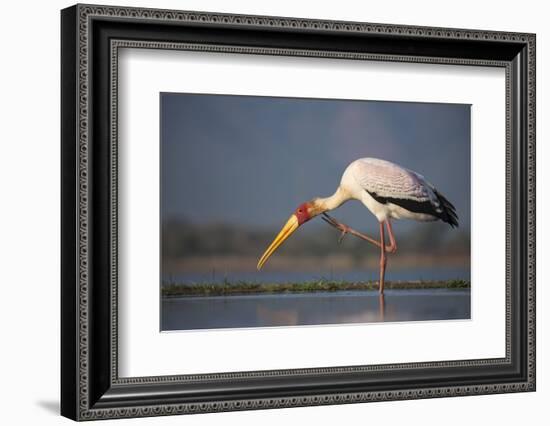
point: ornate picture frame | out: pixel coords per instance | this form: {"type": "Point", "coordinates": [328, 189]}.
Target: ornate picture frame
{"type": "Point", "coordinates": [91, 37]}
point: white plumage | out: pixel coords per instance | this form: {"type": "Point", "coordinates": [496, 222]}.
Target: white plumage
{"type": "Point", "coordinates": [390, 191]}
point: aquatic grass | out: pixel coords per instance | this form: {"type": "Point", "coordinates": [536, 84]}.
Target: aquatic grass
{"type": "Point", "coordinates": [172, 289]}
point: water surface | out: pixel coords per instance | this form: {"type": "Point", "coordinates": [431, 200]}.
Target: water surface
{"type": "Point", "coordinates": [316, 308]}
{"type": "Point", "coordinates": [432, 273]}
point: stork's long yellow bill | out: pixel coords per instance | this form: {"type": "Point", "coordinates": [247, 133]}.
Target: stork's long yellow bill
{"type": "Point", "coordinates": [290, 226]}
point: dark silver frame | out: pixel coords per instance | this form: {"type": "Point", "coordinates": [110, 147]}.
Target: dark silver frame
{"type": "Point", "coordinates": [91, 38]}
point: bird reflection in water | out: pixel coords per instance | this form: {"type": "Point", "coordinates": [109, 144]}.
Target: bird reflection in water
{"type": "Point", "coordinates": [279, 316]}
{"type": "Point", "coordinates": [276, 317]}
{"type": "Point", "coordinates": [381, 306]}
{"type": "Point", "coordinates": [315, 308]}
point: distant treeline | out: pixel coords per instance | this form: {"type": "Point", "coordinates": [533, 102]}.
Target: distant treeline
{"type": "Point", "coordinates": [181, 238]}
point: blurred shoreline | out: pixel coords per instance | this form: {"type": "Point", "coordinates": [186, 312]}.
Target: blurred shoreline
{"type": "Point", "coordinates": [336, 262]}
{"type": "Point", "coordinates": [242, 288]}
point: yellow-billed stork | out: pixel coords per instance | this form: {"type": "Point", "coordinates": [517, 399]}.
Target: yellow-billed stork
{"type": "Point", "coordinates": [388, 190]}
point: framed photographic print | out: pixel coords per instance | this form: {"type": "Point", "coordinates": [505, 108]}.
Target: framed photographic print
{"type": "Point", "coordinates": [263, 212]}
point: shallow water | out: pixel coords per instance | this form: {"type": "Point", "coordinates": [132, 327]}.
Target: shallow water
{"type": "Point", "coordinates": [341, 307]}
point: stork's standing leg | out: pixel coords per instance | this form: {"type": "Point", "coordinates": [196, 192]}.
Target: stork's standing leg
{"type": "Point", "coordinates": [383, 258]}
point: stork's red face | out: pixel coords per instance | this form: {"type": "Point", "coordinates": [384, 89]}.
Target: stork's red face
{"type": "Point", "coordinates": [300, 216]}
{"type": "Point", "coordinates": [302, 213]}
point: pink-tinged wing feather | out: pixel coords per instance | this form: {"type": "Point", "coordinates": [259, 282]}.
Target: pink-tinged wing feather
{"type": "Point", "coordinates": [389, 180]}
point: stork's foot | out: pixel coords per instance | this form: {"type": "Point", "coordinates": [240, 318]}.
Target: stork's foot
{"type": "Point", "coordinates": [345, 229]}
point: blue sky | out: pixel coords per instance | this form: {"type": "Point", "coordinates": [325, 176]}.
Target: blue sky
{"type": "Point", "coordinates": [249, 161]}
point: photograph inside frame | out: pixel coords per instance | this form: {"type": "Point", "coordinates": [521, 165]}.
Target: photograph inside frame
{"type": "Point", "coordinates": [298, 211]}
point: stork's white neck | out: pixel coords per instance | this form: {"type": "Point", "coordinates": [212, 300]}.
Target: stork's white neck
{"type": "Point", "coordinates": [334, 201]}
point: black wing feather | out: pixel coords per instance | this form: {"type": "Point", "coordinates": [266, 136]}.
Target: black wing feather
{"type": "Point", "coordinates": [447, 213]}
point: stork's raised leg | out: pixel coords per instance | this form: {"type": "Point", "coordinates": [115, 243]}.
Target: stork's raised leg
{"type": "Point", "coordinates": [392, 248]}
{"type": "Point", "coordinates": [345, 229]}
{"type": "Point", "coordinates": [393, 245]}
{"type": "Point", "coordinates": [383, 258]}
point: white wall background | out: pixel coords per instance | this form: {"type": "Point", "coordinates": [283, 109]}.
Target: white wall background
{"type": "Point", "coordinates": [29, 212]}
